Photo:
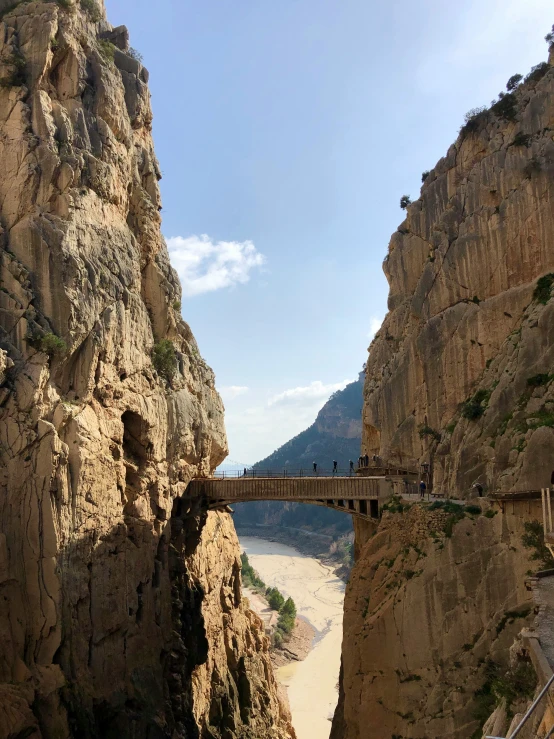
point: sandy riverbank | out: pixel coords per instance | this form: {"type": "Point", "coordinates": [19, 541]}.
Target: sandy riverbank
{"type": "Point", "coordinates": [298, 644]}
{"type": "Point", "coordinates": [318, 594]}
{"type": "Point", "coordinates": [311, 543]}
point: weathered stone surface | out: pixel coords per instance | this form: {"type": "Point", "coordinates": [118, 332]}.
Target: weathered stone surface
{"type": "Point", "coordinates": [95, 444]}
{"type": "Point", "coordinates": [424, 612]}
{"type": "Point", "coordinates": [459, 376]}
{"type": "Point", "coordinates": [462, 271]}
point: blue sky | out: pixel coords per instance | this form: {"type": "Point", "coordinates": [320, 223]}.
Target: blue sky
{"type": "Point", "coordinates": [287, 132]}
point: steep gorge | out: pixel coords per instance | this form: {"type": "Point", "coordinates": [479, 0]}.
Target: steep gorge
{"type": "Point", "coordinates": [121, 609]}
{"type": "Point", "coordinates": [459, 377]}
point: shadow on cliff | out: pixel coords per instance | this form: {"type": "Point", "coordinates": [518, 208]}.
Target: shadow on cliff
{"type": "Point", "coordinates": [133, 630]}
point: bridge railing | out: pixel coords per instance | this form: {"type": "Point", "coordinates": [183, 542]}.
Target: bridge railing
{"type": "Point", "coordinates": [321, 472]}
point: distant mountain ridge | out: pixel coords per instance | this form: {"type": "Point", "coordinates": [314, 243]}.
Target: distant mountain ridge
{"type": "Point", "coordinates": [335, 435]}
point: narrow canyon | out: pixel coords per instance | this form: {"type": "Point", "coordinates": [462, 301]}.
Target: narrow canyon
{"type": "Point", "coordinates": [121, 608]}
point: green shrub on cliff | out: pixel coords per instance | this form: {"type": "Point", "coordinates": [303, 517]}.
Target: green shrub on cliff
{"type": "Point", "coordinates": [405, 200]}
{"type": "Point", "coordinates": [137, 56]}
{"type": "Point", "coordinates": [537, 72]}
{"type": "Point", "coordinates": [92, 9]}
{"type": "Point", "coordinates": [513, 82]}
{"type": "Point", "coordinates": [521, 139]}
{"type": "Point", "coordinates": [539, 380]}
{"type": "Point", "coordinates": [474, 407]}
{"type": "Point", "coordinates": [506, 106]}
{"type": "Point", "coordinates": [533, 538]}
{"type": "Point", "coordinates": [510, 685]}
{"type": "Point", "coordinates": [52, 345]}
{"type": "Point", "coordinates": [473, 120]}
{"type": "Point", "coordinates": [428, 431]}
{"type": "Point", "coordinates": [17, 76]}
{"type": "Point", "coordinates": [543, 289]}
{"type": "Point", "coordinates": [164, 359]}
{"type": "Point", "coordinates": [107, 50]}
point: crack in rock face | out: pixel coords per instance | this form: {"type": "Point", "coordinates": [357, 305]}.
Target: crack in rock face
{"type": "Point", "coordinates": [119, 614]}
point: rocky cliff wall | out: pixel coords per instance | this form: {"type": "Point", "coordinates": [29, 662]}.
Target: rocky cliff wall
{"type": "Point", "coordinates": [120, 613]}
{"type": "Point", "coordinates": [460, 377]}
{"type": "Point", "coordinates": [431, 612]}
{"type": "Point", "coordinates": [460, 373]}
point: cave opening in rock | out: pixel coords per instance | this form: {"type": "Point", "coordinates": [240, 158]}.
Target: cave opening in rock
{"type": "Point", "coordinates": [135, 452]}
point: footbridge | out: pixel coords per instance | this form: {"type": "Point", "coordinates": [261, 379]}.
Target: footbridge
{"type": "Point", "coordinates": [358, 495]}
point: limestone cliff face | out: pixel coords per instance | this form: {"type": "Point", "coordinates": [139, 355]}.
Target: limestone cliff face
{"type": "Point", "coordinates": [426, 608]}
{"type": "Point", "coordinates": [459, 375]}
{"type": "Point", "coordinates": [120, 613]}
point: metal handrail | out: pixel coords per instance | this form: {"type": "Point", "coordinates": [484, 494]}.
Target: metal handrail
{"type": "Point", "coordinates": [524, 720]}
{"type": "Point", "coordinates": [321, 472]}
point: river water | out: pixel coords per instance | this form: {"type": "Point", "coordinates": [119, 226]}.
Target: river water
{"type": "Point", "coordinates": [312, 685]}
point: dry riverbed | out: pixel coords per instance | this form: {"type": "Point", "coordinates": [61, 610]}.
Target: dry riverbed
{"type": "Point", "coordinates": [318, 594]}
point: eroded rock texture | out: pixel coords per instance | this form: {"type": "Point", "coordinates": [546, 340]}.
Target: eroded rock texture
{"type": "Point", "coordinates": [119, 615]}
{"type": "Point", "coordinates": [464, 324]}
{"type": "Point", "coordinates": [428, 606]}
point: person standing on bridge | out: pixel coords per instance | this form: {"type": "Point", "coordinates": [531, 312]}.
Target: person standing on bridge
{"type": "Point", "coordinates": [422, 489]}
{"type": "Point", "coordinates": [334, 466]}
{"type": "Point", "coordinates": [315, 468]}
{"type": "Point", "coordinates": [351, 463]}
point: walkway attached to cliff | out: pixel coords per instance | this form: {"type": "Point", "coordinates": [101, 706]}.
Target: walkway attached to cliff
{"type": "Point", "coordinates": [357, 494]}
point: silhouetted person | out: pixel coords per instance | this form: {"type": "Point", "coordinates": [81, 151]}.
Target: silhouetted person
{"type": "Point", "coordinates": [334, 466]}
{"type": "Point", "coordinates": [315, 468]}
{"type": "Point", "coordinates": [552, 479]}
{"type": "Point", "coordinates": [245, 472]}
{"type": "Point", "coordinates": [366, 460]}
{"type": "Point", "coordinates": [422, 489]}
{"type": "Point", "coordinates": [360, 461]}
{"type": "Point", "coordinates": [351, 463]}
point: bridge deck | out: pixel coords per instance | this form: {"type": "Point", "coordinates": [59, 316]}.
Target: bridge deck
{"type": "Point", "coordinates": [350, 494]}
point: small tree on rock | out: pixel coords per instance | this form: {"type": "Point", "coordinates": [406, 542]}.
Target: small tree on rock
{"type": "Point", "coordinates": [513, 82]}
{"type": "Point", "coordinates": [405, 200]}
{"type": "Point", "coordinates": [164, 359]}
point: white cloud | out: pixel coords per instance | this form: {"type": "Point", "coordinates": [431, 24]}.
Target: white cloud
{"type": "Point", "coordinates": [204, 265]}
{"type": "Point", "coordinates": [374, 326]}
{"type": "Point", "coordinates": [258, 430]}
{"type": "Point", "coordinates": [232, 391]}
{"type": "Point", "coordinates": [312, 394]}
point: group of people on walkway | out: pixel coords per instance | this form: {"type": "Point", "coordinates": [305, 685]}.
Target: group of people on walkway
{"type": "Point", "coordinates": [335, 466]}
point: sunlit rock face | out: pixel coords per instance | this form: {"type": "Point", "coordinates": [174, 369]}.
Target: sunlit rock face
{"type": "Point", "coordinates": [114, 598]}
{"type": "Point", "coordinates": [459, 374]}
{"type": "Point", "coordinates": [459, 377]}
{"type": "Point", "coordinates": [430, 605]}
